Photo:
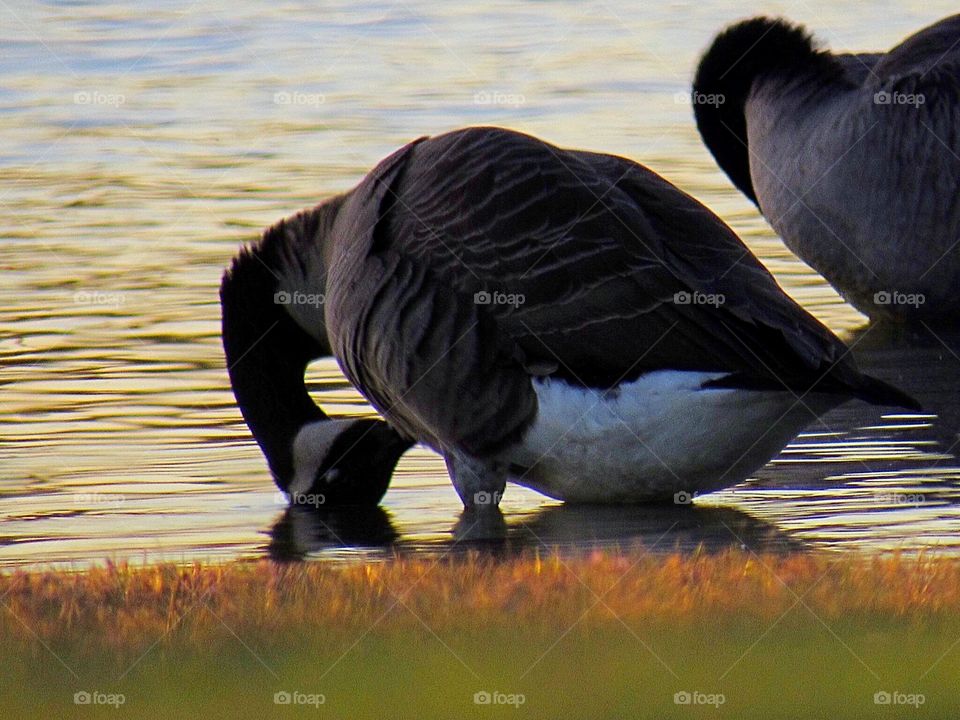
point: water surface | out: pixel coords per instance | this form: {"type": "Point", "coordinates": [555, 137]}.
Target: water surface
{"type": "Point", "coordinates": [142, 146]}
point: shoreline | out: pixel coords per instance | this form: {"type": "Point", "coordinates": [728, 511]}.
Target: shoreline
{"type": "Point", "coordinates": [633, 582]}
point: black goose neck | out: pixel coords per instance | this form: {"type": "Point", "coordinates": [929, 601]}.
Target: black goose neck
{"type": "Point", "coordinates": [741, 54]}
{"type": "Point", "coordinates": [267, 354]}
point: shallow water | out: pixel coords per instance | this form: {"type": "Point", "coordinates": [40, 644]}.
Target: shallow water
{"type": "Point", "coordinates": [141, 147]}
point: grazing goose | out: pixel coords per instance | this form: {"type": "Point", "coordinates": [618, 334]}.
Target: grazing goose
{"type": "Point", "coordinates": [565, 319]}
{"type": "Point", "coordinates": [853, 159]}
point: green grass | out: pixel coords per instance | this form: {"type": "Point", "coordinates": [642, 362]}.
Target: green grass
{"type": "Point", "coordinates": [611, 635]}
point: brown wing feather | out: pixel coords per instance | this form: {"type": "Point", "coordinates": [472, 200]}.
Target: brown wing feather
{"type": "Point", "coordinates": [427, 357]}
{"type": "Point", "coordinates": [597, 246]}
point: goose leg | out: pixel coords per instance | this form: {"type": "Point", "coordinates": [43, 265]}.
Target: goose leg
{"type": "Point", "coordinates": [479, 483]}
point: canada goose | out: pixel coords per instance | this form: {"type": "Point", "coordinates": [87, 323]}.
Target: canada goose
{"type": "Point", "coordinates": [853, 159]}
{"type": "Point", "coordinates": [566, 319]}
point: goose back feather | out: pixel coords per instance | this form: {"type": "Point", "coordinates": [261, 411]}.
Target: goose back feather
{"type": "Point", "coordinates": [598, 248]}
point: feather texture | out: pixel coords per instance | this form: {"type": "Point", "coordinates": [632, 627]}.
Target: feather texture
{"type": "Point", "coordinates": [854, 159]}
{"type": "Point", "coordinates": [465, 259]}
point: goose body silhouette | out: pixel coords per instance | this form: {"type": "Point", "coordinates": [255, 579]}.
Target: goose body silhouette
{"type": "Point", "coordinates": [566, 320]}
{"type": "Point", "coordinates": [854, 159]}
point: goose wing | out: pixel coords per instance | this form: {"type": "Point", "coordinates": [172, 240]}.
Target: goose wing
{"type": "Point", "coordinates": [606, 255]}
{"type": "Point", "coordinates": [493, 256]}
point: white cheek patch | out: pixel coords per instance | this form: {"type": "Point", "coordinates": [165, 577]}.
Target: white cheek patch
{"type": "Point", "coordinates": [310, 447]}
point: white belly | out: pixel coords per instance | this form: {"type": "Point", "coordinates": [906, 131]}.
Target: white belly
{"type": "Point", "coordinates": [654, 437]}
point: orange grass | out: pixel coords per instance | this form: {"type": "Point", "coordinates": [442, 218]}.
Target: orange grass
{"type": "Point", "coordinates": [608, 634]}
{"type": "Point", "coordinates": [124, 608]}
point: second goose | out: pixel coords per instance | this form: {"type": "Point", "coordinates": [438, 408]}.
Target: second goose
{"type": "Point", "coordinates": [853, 159]}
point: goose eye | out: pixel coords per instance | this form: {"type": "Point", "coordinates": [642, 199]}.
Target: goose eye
{"type": "Point", "coordinates": [330, 476]}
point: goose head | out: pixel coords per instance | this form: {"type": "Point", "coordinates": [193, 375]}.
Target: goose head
{"type": "Point", "coordinates": [273, 326]}
{"type": "Point", "coordinates": [740, 55]}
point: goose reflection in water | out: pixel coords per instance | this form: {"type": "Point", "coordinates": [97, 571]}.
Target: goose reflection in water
{"type": "Point", "coordinates": [304, 531]}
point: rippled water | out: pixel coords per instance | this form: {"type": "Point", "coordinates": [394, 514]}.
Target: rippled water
{"type": "Point", "coordinates": [141, 147]}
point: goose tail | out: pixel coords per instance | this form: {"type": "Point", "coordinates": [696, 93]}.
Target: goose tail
{"type": "Point", "coordinates": [878, 392]}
